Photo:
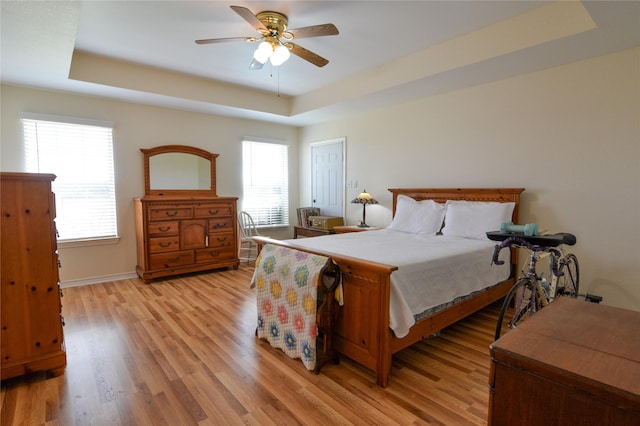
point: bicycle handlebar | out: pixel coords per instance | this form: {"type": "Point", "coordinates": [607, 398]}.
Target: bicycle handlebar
{"type": "Point", "coordinates": [552, 240]}
{"type": "Point", "coordinates": [511, 241]}
{"type": "Point", "coordinates": [494, 258]}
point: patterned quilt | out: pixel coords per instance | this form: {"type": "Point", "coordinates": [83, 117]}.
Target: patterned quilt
{"type": "Point", "coordinates": [286, 282]}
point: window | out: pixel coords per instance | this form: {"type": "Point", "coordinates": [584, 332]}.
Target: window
{"type": "Point", "coordinates": [265, 180]}
{"type": "Point", "coordinates": [80, 154]}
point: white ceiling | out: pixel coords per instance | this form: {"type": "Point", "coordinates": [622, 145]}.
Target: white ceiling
{"type": "Point", "coordinates": [387, 51]}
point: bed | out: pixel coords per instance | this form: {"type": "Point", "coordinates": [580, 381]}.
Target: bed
{"type": "Point", "coordinates": [363, 331]}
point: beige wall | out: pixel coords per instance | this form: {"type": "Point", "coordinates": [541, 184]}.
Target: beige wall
{"type": "Point", "coordinates": [569, 135]}
{"type": "Point", "coordinates": [135, 127]}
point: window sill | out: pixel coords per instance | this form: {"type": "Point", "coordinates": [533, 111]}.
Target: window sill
{"type": "Point", "coordinates": [88, 242]}
{"type": "Point", "coordinates": [273, 228]}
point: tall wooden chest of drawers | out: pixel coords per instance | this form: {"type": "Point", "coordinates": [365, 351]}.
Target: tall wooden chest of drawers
{"type": "Point", "coordinates": [31, 322]}
{"type": "Point", "coordinates": [572, 363]}
{"type": "Point", "coordinates": [177, 235]}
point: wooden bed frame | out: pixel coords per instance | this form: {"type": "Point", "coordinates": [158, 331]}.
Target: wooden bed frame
{"type": "Point", "coordinates": [362, 331]}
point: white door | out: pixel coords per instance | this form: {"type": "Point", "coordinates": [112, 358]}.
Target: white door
{"type": "Point", "coordinates": [327, 177]}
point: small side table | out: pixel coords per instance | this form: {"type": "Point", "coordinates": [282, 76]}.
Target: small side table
{"type": "Point", "coordinates": [310, 232]}
{"type": "Point", "coordinates": [354, 228]}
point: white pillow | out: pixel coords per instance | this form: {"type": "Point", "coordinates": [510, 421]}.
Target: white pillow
{"type": "Point", "coordinates": [417, 217]}
{"type": "Point", "coordinates": [472, 219]}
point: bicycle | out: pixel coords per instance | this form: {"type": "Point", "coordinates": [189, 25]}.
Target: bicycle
{"type": "Point", "coordinates": [533, 292]}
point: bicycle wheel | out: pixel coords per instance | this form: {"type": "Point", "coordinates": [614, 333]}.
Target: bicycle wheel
{"type": "Point", "coordinates": [517, 306]}
{"type": "Point", "coordinates": [569, 281]}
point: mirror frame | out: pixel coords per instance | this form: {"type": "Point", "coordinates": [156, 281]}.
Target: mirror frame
{"type": "Point", "coordinates": [179, 149]}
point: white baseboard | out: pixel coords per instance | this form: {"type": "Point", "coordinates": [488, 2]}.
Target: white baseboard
{"type": "Point", "coordinates": [97, 280]}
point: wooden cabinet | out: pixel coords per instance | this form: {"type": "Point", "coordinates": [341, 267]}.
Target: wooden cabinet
{"type": "Point", "coordinates": [31, 321]}
{"type": "Point", "coordinates": [177, 235]}
{"type": "Point", "coordinates": [573, 362]}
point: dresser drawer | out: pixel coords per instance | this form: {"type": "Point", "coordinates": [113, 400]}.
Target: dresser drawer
{"type": "Point", "coordinates": [163, 228]}
{"type": "Point", "coordinates": [164, 244]}
{"type": "Point", "coordinates": [172, 259]}
{"type": "Point", "coordinates": [213, 210]}
{"type": "Point", "coordinates": [221, 240]}
{"type": "Point", "coordinates": [214, 254]}
{"type": "Point", "coordinates": [157, 213]}
{"type": "Point", "coordinates": [221, 225]}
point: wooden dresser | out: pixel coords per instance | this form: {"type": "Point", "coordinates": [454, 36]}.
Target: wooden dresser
{"type": "Point", "coordinates": [181, 224]}
{"type": "Point", "coordinates": [31, 317]}
{"type": "Point", "coordinates": [179, 235]}
{"type": "Point", "coordinates": [574, 362]}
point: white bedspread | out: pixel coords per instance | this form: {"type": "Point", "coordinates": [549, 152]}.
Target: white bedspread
{"type": "Point", "coordinates": [432, 270]}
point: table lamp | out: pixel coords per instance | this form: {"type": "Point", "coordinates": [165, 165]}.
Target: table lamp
{"type": "Point", "coordinates": [364, 198]}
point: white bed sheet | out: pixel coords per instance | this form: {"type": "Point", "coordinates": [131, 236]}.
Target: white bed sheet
{"type": "Point", "coordinates": [432, 269]}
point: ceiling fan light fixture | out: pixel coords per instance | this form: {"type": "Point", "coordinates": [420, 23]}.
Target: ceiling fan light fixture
{"type": "Point", "coordinates": [263, 52]}
{"type": "Point", "coordinates": [280, 55]}
{"type": "Point", "coordinates": [277, 38]}
{"type": "Point", "coordinates": [255, 65]}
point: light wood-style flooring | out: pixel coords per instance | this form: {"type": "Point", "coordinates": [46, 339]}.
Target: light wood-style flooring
{"type": "Point", "coordinates": [182, 351]}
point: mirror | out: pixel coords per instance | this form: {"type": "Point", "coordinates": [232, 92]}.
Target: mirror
{"type": "Point", "coordinates": [179, 170]}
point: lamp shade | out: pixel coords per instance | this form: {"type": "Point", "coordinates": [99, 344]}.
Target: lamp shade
{"type": "Point", "coordinates": [263, 52]}
{"type": "Point", "coordinates": [280, 55]}
{"type": "Point", "coordinates": [364, 198]}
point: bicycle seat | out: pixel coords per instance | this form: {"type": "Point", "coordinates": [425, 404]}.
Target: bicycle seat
{"type": "Point", "coordinates": [551, 240]}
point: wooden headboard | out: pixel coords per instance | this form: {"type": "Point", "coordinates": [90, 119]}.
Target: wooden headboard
{"type": "Point", "coordinates": [441, 195]}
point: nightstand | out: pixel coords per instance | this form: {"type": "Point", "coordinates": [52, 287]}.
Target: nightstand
{"type": "Point", "coordinates": [310, 232]}
{"type": "Point", "coordinates": [354, 228]}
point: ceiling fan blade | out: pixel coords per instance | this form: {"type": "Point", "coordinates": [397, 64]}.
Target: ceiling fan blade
{"type": "Point", "coordinates": [307, 55]}
{"type": "Point", "coordinates": [248, 16]}
{"type": "Point", "coordinates": [224, 40]}
{"type": "Point", "coordinates": [314, 31]}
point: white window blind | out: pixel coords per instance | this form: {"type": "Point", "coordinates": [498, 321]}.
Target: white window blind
{"type": "Point", "coordinates": [265, 179]}
{"type": "Point", "coordinates": [81, 157]}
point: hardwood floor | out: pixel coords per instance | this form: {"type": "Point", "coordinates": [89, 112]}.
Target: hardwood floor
{"type": "Point", "coordinates": [182, 351]}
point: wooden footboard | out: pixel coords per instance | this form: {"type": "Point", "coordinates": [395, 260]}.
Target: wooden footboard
{"type": "Point", "coordinates": [362, 331]}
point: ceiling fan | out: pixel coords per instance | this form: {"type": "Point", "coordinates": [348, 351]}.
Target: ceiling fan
{"type": "Point", "coordinates": [276, 39]}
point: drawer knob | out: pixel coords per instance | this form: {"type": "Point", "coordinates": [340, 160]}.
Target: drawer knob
{"type": "Point", "coordinates": [172, 214]}
{"type": "Point", "coordinates": [214, 212]}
